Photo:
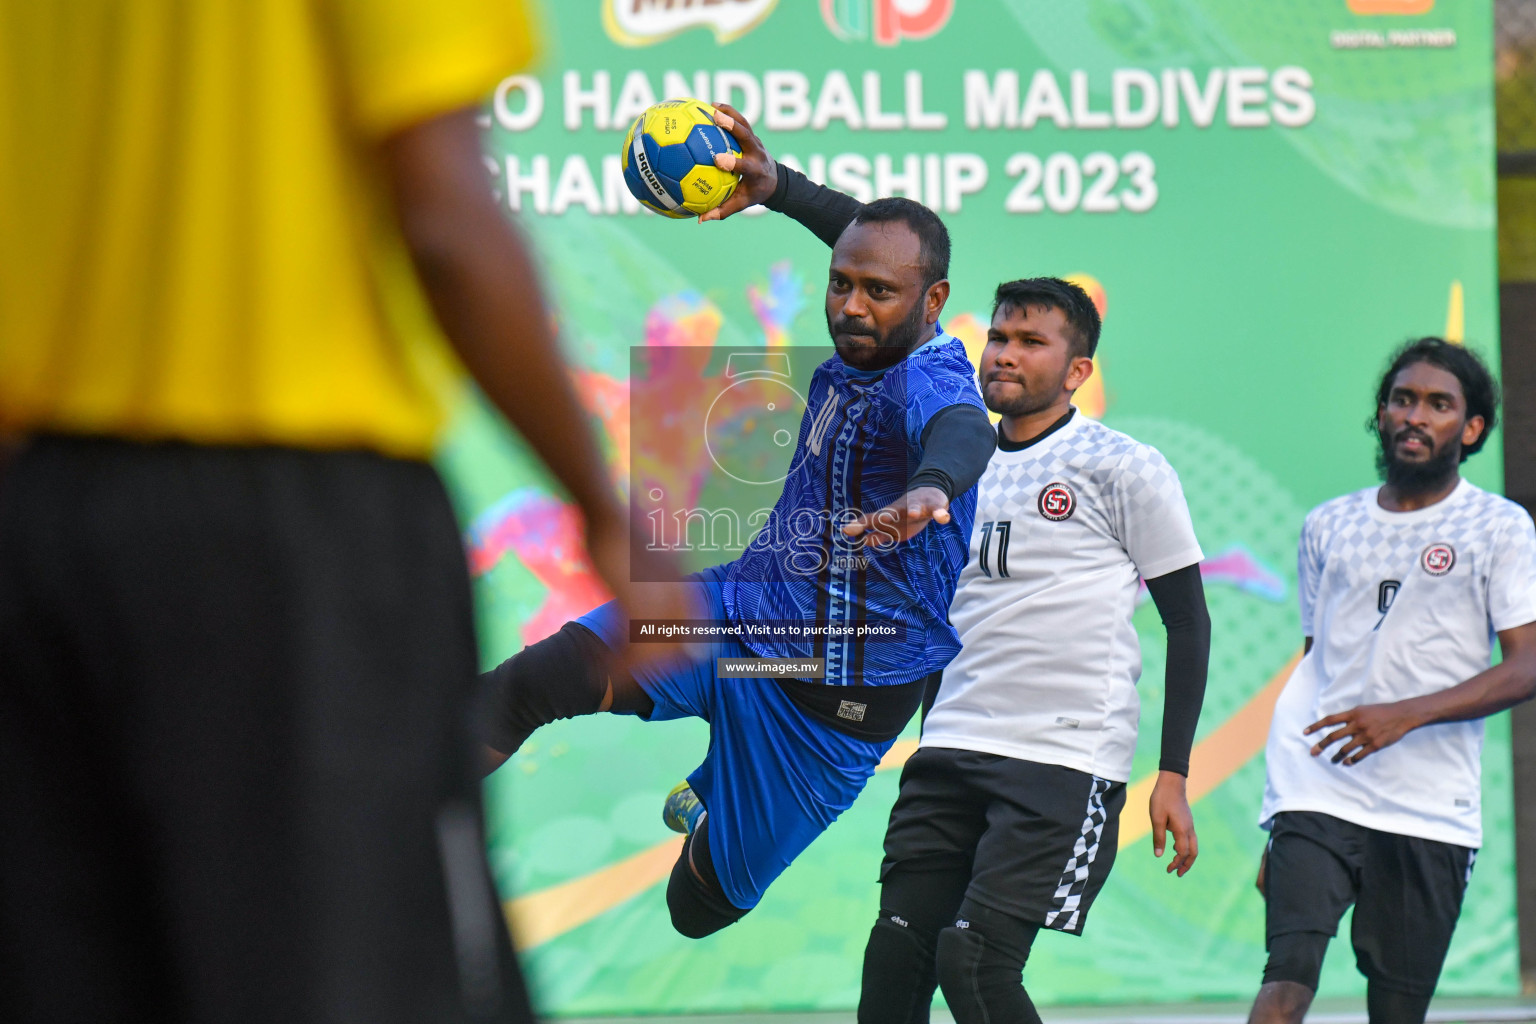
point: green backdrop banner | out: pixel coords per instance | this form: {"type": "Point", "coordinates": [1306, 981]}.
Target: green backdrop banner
{"type": "Point", "coordinates": [1263, 197]}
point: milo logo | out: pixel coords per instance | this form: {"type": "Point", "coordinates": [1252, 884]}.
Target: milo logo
{"type": "Point", "coordinates": [643, 22]}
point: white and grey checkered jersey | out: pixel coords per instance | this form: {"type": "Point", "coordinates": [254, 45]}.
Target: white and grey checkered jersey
{"type": "Point", "coordinates": [1399, 604]}
{"type": "Point", "coordinates": [1049, 657]}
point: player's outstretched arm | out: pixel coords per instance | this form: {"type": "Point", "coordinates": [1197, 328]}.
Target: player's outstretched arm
{"type": "Point", "coordinates": [1363, 730]}
{"type": "Point", "coordinates": [826, 212]}
{"type": "Point", "coordinates": [484, 290]}
{"type": "Point", "coordinates": [957, 442]}
{"type": "Point", "coordinates": [902, 519]}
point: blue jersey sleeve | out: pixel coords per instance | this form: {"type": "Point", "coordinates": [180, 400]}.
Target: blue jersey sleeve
{"type": "Point", "coordinates": [937, 380]}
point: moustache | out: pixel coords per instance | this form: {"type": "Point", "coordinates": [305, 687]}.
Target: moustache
{"type": "Point", "coordinates": [1407, 432]}
{"type": "Point", "coordinates": [846, 326]}
{"type": "Point", "coordinates": [992, 378]}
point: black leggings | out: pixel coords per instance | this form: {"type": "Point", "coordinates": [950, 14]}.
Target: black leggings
{"type": "Point", "coordinates": [981, 958]}
{"type": "Point", "coordinates": [564, 675]}
{"type": "Point", "coordinates": [698, 906]}
{"type": "Point", "coordinates": [929, 934]}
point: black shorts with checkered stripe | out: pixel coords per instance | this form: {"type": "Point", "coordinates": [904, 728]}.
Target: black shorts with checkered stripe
{"type": "Point", "coordinates": [1036, 840]}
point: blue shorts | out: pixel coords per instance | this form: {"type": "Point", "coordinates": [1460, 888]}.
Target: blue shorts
{"type": "Point", "coordinates": [773, 778]}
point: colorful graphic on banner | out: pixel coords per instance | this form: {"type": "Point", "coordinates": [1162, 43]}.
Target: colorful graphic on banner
{"type": "Point", "coordinates": [892, 20]}
{"type": "Point", "coordinates": [1262, 201]}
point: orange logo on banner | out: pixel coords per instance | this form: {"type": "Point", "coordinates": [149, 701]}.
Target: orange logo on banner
{"type": "Point", "coordinates": [1391, 6]}
{"type": "Point", "coordinates": [894, 20]}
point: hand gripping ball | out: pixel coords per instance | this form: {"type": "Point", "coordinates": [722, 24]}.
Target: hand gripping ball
{"type": "Point", "coordinates": [669, 159]}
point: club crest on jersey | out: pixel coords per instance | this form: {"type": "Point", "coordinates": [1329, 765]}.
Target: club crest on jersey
{"type": "Point", "coordinates": [1057, 501]}
{"type": "Point", "coordinates": [1438, 559]}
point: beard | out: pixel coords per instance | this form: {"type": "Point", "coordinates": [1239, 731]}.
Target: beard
{"type": "Point", "coordinates": [877, 351]}
{"type": "Point", "coordinates": [1409, 477]}
{"type": "Point", "coordinates": [1028, 400]}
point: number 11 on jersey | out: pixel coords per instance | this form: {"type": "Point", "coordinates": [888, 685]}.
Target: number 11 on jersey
{"type": "Point", "coordinates": [1001, 530]}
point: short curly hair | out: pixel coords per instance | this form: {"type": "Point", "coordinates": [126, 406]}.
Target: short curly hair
{"type": "Point", "coordinates": [1478, 387]}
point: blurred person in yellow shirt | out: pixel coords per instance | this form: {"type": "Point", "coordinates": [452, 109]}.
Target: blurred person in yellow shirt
{"type": "Point", "coordinates": [236, 642]}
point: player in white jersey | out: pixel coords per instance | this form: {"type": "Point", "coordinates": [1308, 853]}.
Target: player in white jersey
{"type": "Point", "coordinates": [1374, 788]}
{"type": "Point", "coordinates": [1008, 813]}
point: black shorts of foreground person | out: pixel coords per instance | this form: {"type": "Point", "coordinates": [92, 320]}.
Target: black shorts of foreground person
{"type": "Point", "coordinates": [233, 738]}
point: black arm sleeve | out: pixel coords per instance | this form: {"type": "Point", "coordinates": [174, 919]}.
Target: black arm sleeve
{"type": "Point", "coordinates": [1180, 600]}
{"type": "Point", "coordinates": [825, 211]}
{"type": "Point", "coordinates": [957, 444]}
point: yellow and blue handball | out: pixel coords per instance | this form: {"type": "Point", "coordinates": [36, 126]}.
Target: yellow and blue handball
{"type": "Point", "coordinates": [669, 159]}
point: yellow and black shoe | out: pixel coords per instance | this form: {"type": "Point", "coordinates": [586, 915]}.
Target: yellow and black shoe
{"type": "Point", "coordinates": [682, 810]}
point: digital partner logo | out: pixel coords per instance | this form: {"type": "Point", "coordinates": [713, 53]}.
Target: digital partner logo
{"type": "Point", "coordinates": [644, 22]}
{"type": "Point", "coordinates": [1408, 36]}
{"type": "Point", "coordinates": [1390, 6]}
{"type": "Point", "coordinates": [888, 22]}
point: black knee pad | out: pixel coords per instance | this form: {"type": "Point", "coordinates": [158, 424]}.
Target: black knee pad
{"type": "Point", "coordinates": [1297, 957]}
{"type": "Point", "coordinates": [561, 676]}
{"type": "Point", "coordinates": [899, 979]}
{"type": "Point", "coordinates": [698, 906]}
{"type": "Point", "coordinates": [959, 955]}
{"type": "Point", "coordinates": [980, 961]}
{"type": "Point", "coordinates": [898, 939]}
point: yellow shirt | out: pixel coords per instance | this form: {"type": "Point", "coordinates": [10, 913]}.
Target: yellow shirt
{"type": "Point", "coordinates": [196, 240]}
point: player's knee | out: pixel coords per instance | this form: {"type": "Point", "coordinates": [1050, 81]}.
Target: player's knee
{"type": "Point", "coordinates": [697, 913]}
{"type": "Point", "coordinates": [970, 973]}
{"type": "Point", "coordinates": [695, 898]}
{"type": "Point", "coordinates": [958, 960]}
{"type": "Point", "coordinates": [980, 964]}
{"type": "Point", "coordinates": [897, 939]}
{"type": "Point", "coordinates": [980, 981]}
{"type": "Point", "coordinates": [1281, 1002]}
{"type": "Point", "coordinates": [562, 676]}
{"type": "Point", "coordinates": [1296, 957]}
{"type": "Point", "coordinates": [692, 919]}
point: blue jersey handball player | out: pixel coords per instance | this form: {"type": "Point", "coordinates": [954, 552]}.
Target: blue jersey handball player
{"type": "Point", "coordinates": [892, 443]}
